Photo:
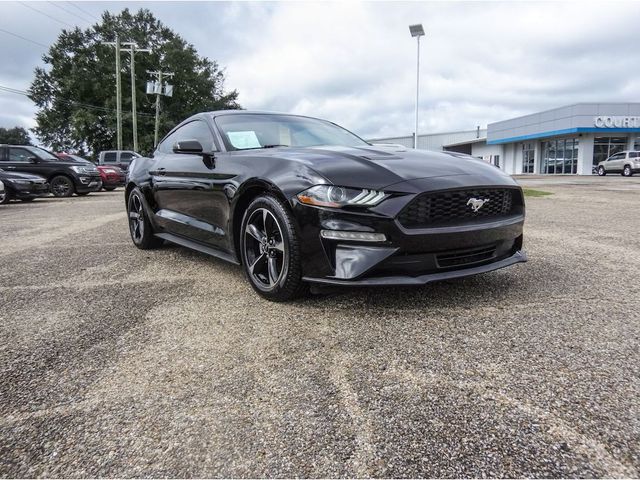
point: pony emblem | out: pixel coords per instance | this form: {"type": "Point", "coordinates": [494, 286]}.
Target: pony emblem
{"type": "Point", "coordinates": [477, 203]}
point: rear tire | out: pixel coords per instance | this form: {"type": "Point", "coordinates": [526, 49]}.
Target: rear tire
{"type": "Point", "coordinates": [627, 172]}
{"type": "Point", "coordinates": [601, 171]}
{"type": "Point", "coordinates": [140, 226]}
{"type": "Point", "coordinates": [270, 250]}
{"type": "Point", "coordinates": [62, 186]}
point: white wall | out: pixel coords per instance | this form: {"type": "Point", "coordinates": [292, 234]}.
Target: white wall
{"type": "Point", "coordinates": [585, 154]}
{"type": "Point", "coordinates": [481, 149]}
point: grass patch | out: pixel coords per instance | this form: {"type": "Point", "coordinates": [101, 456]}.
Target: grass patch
{"type": "Point", "coordinates": [529, 192]}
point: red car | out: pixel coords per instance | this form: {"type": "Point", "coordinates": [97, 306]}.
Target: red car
{"type": "Point", "coordinates": [111, 176]}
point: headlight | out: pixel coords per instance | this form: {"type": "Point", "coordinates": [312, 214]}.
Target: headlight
{"type": "Point", "coordinates": [338, 197]}
{"type": "Point", "coordinates": [85, 170]}
{"type": "Point", "coordinates": [21, 181]}
{"type": "Point", "coordinates": [108, 170]}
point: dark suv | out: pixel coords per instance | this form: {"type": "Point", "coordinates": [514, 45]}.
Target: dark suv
{"type": "Point", "coordinates": [65, 178]}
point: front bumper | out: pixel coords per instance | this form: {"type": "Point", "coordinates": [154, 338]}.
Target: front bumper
{"type": "Point", "coordinates": [413, 256]}
{"type": "Point", "coordinates": [113, 180]}
{"type": "Point", "coordinates": [88, 183]}
{"type": "Point", "coordinates": [23, 191]}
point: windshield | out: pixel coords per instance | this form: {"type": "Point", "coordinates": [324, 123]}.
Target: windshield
{"type": "Point", "coordinates": [250, 131]}
{"type": "Point", "coordinates": [42, 153]}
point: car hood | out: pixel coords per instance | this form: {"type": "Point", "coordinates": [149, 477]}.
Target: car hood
{"type": "Point", "coordinates": [380, 167]}
{"type": "Point", "coordinates": [4, 175]}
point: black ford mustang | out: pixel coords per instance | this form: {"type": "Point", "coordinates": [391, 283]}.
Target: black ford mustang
{"type": "Point", "coordinates": [297, 200]}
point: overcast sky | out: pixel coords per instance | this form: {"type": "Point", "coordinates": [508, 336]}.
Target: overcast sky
{"type": "Point", "coordinates": [354, 63]}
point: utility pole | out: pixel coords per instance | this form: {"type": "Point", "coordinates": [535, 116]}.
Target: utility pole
{"type": "Point", "coordinates": [118, 91]}
{"type": "Point", "coordinates": [158, 88]}
{"type": "Point", "coordinates": [133, 48]}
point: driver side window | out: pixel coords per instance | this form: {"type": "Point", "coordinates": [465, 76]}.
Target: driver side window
{"type": "Point", "coordinates": [20, 155]}
{"type": "Point", "coordinates": [196, 130]}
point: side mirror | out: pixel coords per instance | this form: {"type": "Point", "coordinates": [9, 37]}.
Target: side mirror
{"type": "Point", "coordinates": [33, 159]}
{"type": "Point", "coordinates": [187, 146]}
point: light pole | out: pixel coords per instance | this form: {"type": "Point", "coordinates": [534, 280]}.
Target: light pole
{"type": "Point", "coordinates": [417, 31]}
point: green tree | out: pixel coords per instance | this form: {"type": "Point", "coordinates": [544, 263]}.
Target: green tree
{"type": "Point", "coordinates": [15, 136]}
{"type": "Point", "coordinates": [76, 97]}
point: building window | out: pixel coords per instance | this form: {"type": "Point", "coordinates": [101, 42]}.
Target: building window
{"type": "Point", "coordinates": [528, 157]}
{"type": "Point", "coordinates": [560, 156]}
{"type": "Point", "coordinates": [604, 147]}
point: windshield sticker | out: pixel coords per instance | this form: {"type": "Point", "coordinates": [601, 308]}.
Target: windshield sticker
{"type": "Point", "coordinates": [246, 139]}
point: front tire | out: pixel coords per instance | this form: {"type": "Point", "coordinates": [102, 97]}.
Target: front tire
{"type": "Point", "coordinates": [62, 186]}
{"type": "Point", "coordinates": [270, 250]}
{"type": "Point", "coordinates": [140, 226]}
{"type": "Point", "coordinates": [627, 172]}
{"type": "Point", "coordinates": [601, 171]}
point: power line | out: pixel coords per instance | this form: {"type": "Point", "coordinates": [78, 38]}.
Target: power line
{"type": "Point", "coordinates": [46, 14]}
{"type": "Point", "coordinates": [83, 10]}
{"type": "Point", "coordinates": [23, 38]}
{"type": "Point", "coordinates": [69, 12]}
{"type": "Point", "coordinates": [69, 102]}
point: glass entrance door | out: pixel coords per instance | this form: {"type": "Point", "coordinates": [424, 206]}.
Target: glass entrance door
{"type": "Point", "coordinates": [528, 157]}
{"type": "Point", "coordinates": [560, 156]}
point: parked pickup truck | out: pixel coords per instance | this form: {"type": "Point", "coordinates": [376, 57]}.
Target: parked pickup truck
{"type": "Point", "coordinates": [119, 158]}
{"type": "Point", "coordinates": [65, 178]}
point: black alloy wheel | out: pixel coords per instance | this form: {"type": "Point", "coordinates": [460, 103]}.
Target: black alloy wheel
{"type": "Point", "coordinates": [270, 251]}
{"type": "Point", "coordinates": [62, 186]}
{"type": "Point", "coordinates": [139, 224]}
{"type": "Point", "coordinates": [601, 171]}
{"type": "Point", "coordinates": [627, 171]}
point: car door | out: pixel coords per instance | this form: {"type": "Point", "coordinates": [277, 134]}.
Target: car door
{"type": "Point", "coordinates": [21, 159]}
{"type": "Point", "coordinates": [188, 188]}
{"type": "Point", "coordinates": [614, 163]}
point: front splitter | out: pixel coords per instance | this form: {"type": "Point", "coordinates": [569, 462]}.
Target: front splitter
{"type": "Point", "coordinates": [400, 280]}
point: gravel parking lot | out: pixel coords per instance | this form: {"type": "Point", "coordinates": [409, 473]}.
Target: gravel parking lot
{"type": "Point", "coordinates": [118, 362]}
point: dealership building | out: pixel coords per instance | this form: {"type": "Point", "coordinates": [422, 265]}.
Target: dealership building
{"type": "Point", "coordinates": [565, 140]}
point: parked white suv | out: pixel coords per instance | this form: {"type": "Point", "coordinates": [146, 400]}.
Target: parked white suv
{"type": "Point", "coordinates": [627, 163]}
{"type": "Point", "coordinates": [119, 158]}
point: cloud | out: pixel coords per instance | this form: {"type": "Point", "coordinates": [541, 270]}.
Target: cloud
{"type": "Point", "coordinates": [354, 63]}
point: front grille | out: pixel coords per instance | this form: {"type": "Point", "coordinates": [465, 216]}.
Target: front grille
{"type": "Point", "coordinates": [448, 260]}
{"type": "Point", "coordinates": [453, 208]}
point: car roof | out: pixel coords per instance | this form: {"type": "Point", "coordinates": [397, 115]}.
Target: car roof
{"type": "Point", "coordinates": [220, 113]}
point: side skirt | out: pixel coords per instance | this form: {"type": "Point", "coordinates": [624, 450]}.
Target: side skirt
{"type": "Point", "coordinates": [183, 242]}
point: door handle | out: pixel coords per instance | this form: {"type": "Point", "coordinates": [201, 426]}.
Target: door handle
{"type": "Point", "coordinates": [10, 168]}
